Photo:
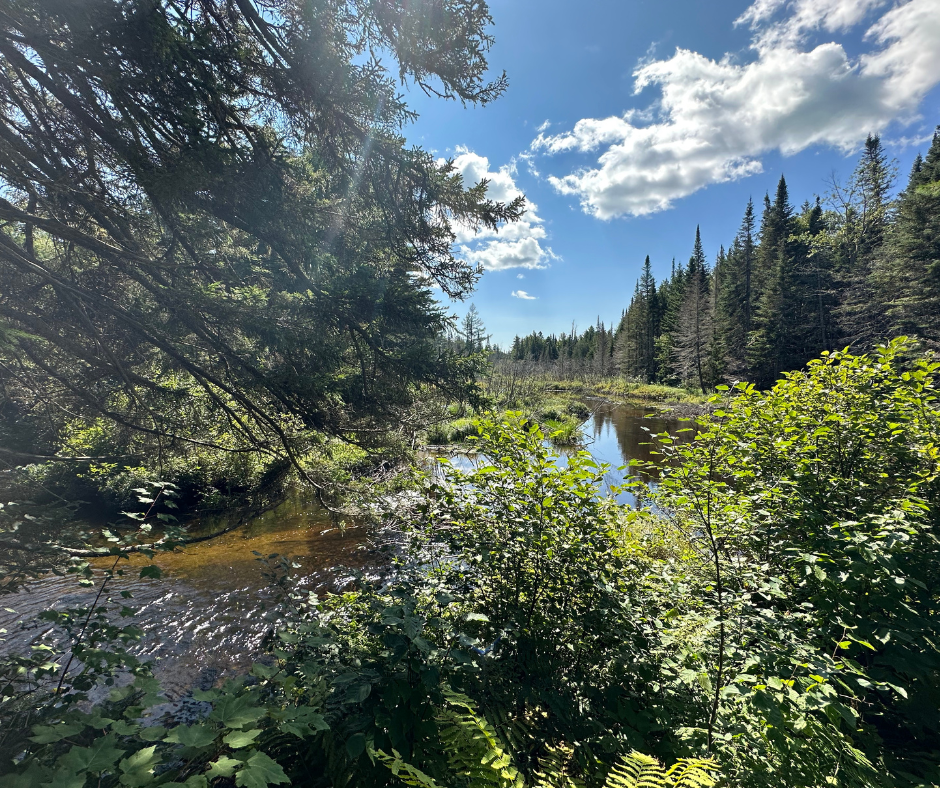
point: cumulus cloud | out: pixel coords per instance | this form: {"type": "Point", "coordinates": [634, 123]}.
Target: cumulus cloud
{"type": "Point", "coordinates": [517, 245]}
{"type": "Point", "coordinates": [716, 118]}
{"type": "Point", "coordinates": [523, 295]}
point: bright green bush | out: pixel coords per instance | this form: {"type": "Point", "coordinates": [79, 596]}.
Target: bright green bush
{"type": "Point", "coordinates": [815, 507]}
{"type": "Point", "coordinates": [773, 608]}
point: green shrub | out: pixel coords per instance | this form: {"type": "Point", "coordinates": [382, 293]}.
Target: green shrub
{"type": "Point", "coordinates": [461, 429]}
{"type": "Point", "coordinates": [772, 610]}
{"type": "Point", "coordinates": [438, 435]}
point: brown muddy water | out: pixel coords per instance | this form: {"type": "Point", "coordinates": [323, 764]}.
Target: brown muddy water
{"type": "Point", "coordinates": [207, 616]}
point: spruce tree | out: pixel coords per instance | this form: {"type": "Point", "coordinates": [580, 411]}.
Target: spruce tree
{"type": "Point", "coordinates": [770, 335]}
{"type": "Point", "coordinates": [907, 275]}
{"type": "Point", "coordinates": [650, 318]}
{"type": "Point", "coordinates": [211, 204]}
{"type": "Point", "coordinates": [734, 310]}
{"type": "Point", "coordinates": [671, 297]}
{"type": "Point", "coordinates": [691, 341]}
{"type": "Point", "coordinates": [864, 206]}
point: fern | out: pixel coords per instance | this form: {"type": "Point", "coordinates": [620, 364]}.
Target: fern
{"type": "Point", "coordinates": [641, 771]}
{"type": "Point", "coordinates": [517, 733]}
{"type": "Point", "coordinates": [554, 769]}
{"type": "Point", "coordinates": [476, 759]}
{"type": "Point", "coordinates": [473, 749]}
{"type": "Point", "coordinates": [693, 773]}
{"type": "Point", "coordinates": [404, 771]}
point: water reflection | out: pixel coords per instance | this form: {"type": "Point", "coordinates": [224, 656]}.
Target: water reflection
{"type": "Point", "coordinates": [622, 436]}
{"type": "Point", "coordinates": [618, 436]}
{"type": "Point", "coordinates": [208, 615]}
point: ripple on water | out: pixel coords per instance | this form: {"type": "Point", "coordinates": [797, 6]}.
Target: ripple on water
{"type": "Point", "coordinates": [209, 613]}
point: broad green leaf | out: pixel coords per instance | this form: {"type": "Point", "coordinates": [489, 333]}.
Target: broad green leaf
{"type": "Point", "coordinates": [237, 739]}
{"type": "Point", "coordinates": [46, 734]}
{"type": "Point", "coordinates": [197, 735]}
{"type": "Point", "coordinates": [223, 767]}
{"type": "Point", "coordinates": [196, 781]}
{"type": "Point", "coordinates": [98, 756]}
{"type": "Point", "coordinates": [33, 776]}
{"type": "Point", "coordinates": [64, 778]}
{"type": "Point", "coordinates": [236, 712]}
{"type": "Point", "coordinates": [137, 769]}
{"type": "Point", "coordinates": [356, 745]}
{"type": "Point", "coordinates": [259, 771]}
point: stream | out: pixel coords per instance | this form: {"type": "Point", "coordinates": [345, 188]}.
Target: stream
{"type": "Point", "coordinates": [205, 617]}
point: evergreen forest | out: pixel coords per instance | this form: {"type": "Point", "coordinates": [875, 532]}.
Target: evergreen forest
{"type": "Point", "coordinates": [791, 284]}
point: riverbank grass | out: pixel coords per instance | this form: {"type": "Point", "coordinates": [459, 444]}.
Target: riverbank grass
{"type": "Point", "coordinates": [558, 406]}
{"type": "Point", "coordinates": [627, 392]}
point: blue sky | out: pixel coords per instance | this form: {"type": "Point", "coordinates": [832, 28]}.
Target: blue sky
{"type": "Point", "coordinates": [626, 124]}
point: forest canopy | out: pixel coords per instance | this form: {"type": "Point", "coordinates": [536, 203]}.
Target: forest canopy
{"type": "Point", "coordinates": [214, 233]}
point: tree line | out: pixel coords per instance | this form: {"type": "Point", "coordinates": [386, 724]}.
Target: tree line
{"type": "Point", "coordinates": [797, 282]}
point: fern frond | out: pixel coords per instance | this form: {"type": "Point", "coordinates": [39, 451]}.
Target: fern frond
{"type": "Point", "coordinates": [516, 733]}
{"type": "Point", "coordinates": [554, 769]}
{"type": "Point", "coordinates": [637, 770]}
{"type": "Point", "coordinates": [404, 771]}
{"type": "Point", "coordinates": [473, 749]}
{"type": "Point", "coordinates": [693, 773]}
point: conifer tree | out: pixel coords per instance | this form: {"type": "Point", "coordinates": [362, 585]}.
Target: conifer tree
{"type": "Point", "coordinates": [769, 334]}
{"type": "Point", "coordinates": [671, 297]}
{"type": "Point", "coordinates": [907, 275]}
{"type": "Point", "coordinates": [734, 308]}
{"type": "Point", "coordinates": [211, 202]}
{"type": "Point", "coordinates": [863, 205]}
{"type": "Point", "coordinates": [693, 335]}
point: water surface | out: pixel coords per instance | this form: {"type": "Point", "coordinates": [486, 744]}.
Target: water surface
{"type": "Point", "coordinates": [208, 615]}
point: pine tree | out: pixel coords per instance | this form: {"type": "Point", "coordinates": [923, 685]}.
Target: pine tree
{"type": "Point", "coordinates": [692, 338]}
{"type": "Point", "coordinates": [671, 297]}
{"type": "Point", "coordinates": [212, 202]}
{"type": "Point", "coordinates": [769, 337]}
{"type": "Point", "coordinates": [474, 333]}
{"type": "Point", "coordinates": [717, 352]}
{"type": "Point", "coordinates": [693, 333]}
{"type": "Point", "coordinates": [734, 296]}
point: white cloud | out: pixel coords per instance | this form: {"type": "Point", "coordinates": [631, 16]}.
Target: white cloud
{"type": "Point", "coordinates": [523, 295]}
{"type": "Point", "coordinates": [833, 16]}
{"type": "Point", "coordinates": [520, 276]}
{"type": "Point", "coordinates": [717, 118]}
{"type": "Point", "coordinates": [516, 245]}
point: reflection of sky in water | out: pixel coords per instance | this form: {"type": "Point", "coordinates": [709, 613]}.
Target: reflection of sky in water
{"type": "Point", "coordinates": [618, 435]}
{"type": "Point", "coordinates": [615, 435]}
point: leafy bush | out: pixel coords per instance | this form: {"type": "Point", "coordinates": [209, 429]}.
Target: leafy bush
{"type": "Point", "coordinates": [771, 610]}
{"type": "Point", "coordinates": [438, 435]}
{"type": "Point", "coordinates": [815, 508]}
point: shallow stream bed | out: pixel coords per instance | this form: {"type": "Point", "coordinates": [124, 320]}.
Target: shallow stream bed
{"type": "Point", "coordinates": [207, 616]}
